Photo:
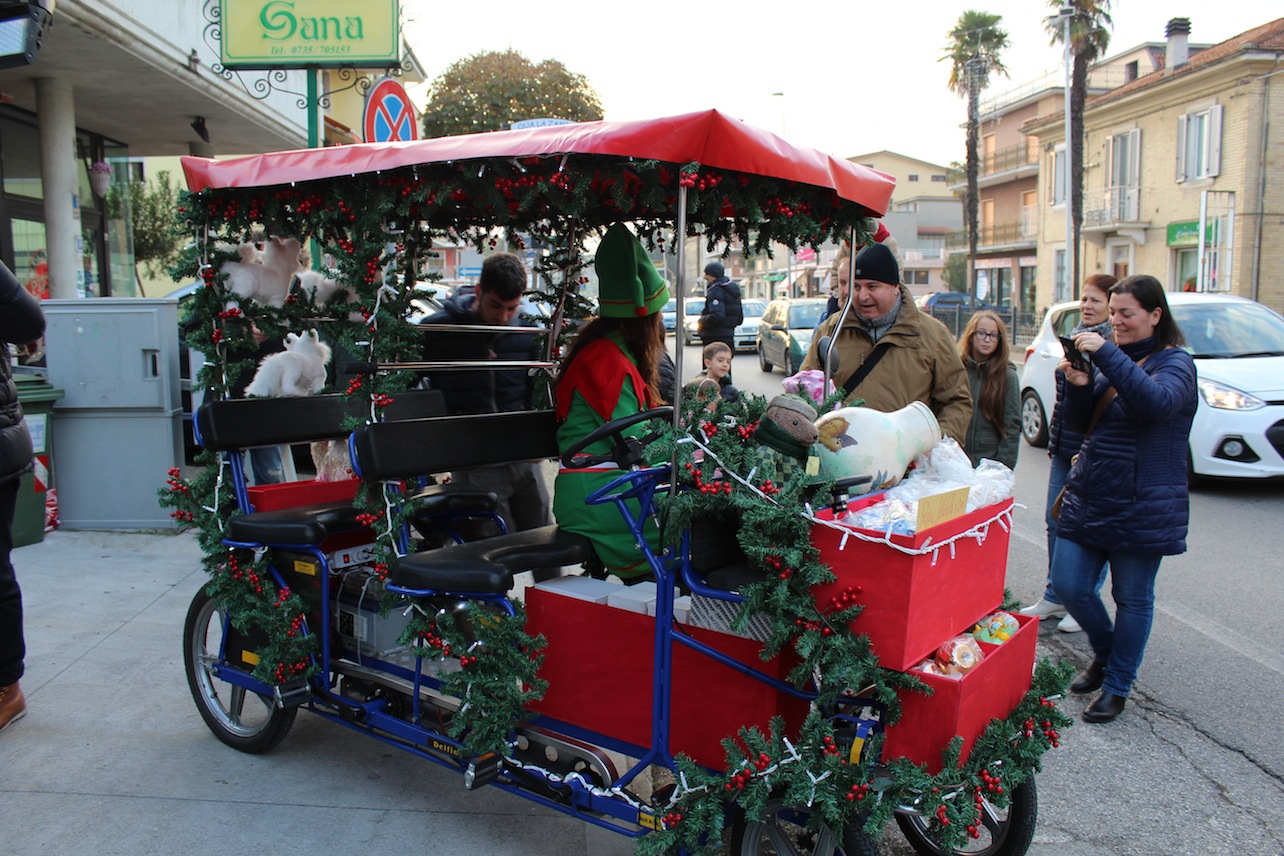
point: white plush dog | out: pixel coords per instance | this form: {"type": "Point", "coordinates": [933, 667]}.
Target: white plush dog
{"type": "Point", "coordinates": [267, 279]}
{"type": "Point", "coordinates": [297, 371]}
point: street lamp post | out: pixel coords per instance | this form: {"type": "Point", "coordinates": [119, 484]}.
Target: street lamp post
{"type": "Point", "coordinates": [1066, 13]}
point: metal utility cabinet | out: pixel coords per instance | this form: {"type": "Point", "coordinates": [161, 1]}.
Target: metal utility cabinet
{"type": "Point", "coordinates": [119, 424]}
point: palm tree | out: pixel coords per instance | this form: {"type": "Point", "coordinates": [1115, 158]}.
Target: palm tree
{"type": "Point", "coordinates": [973, 52]}
{"type": "Point", "coordinates": [1089, 37]}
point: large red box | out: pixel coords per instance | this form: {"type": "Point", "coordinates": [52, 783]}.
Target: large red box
{"type": "Point", "coordinates": [914, 602]}
{"type": "Point", "coordinates": [274, 497]}
{"type": "Point", "coordinates": [599, 665]}
{"type": "Point", "coordinates": [964, 706]}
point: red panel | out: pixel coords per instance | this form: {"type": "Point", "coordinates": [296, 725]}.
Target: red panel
{"type": "Point", "coordinates": [913, 603]}
{"type": "Point", "coordinates": [274, 497]}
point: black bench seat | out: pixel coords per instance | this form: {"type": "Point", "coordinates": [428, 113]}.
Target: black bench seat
{"type": "Point", "coordinates": [304, 525]}
{"type": "Point", "coordinates": [487, 566]}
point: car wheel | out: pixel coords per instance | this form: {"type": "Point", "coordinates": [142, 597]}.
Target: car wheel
{"type": "Point", "coordinates": [762, 360]}
{"type": "Point", "coordinates": [1193, 479]}
{"type": "Point", "coordinates": [791, 367]}
{"type": "Point", "coordinates": [1034, 422]}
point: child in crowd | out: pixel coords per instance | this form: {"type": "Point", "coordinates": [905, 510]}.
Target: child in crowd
{"type": "Point", "coordinates": [713, 383]}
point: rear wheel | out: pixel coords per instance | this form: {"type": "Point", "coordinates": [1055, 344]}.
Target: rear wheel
{"type": "Point", "coordinates": [241, 719]}
{"type": "Point", "coordinates": [1003, 832]}
{"type": "Point", "coordinates": [783, 832]}
{"type": "Point", "coordinates": [762, 360]}
{"type": "Point", "coordinates": [1034, 422]}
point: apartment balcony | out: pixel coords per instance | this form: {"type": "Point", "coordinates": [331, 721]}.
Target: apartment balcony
{"type": "Point", "coordinates": [1114, 209]}
{"type": "Point", "coordinates": [1019, 234]}
{"type": "Point", "coordinates": [998, 167]}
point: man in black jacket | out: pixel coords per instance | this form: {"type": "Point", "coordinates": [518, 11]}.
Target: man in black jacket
{"type": "Point", "coordinates": [21, 322]}
{"type": "Point", "coordinates": [522, 493]}
{"type": "Point", "coordinates": [722, 311]}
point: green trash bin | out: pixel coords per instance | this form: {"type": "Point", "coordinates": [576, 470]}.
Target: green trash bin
{"type": "Point", "coordinates": [37, 397]}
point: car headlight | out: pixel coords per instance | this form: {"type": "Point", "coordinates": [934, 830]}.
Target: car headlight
{"type": "Point", "coordinates": [1226, 397]}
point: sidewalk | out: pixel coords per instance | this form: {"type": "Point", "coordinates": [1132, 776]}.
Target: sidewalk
{"type": "Point", "coordinates": [113, 758]}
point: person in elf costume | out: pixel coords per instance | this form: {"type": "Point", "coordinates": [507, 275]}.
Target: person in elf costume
{"type": "Point", "coordinates": [611, 372]}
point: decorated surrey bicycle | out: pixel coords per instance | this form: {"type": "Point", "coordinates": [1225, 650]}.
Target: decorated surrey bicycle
{"type": "Point", "coordinates": [791, 682]}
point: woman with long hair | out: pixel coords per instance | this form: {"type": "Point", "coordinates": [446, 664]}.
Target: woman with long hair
{"type": "Point", "coordinates": [1125, 499]}
{"type": "Point", "coordinates": [996, 396]}
{"type": "Point", "coordinates": [611, 372]}
{"type": "Point", "coordinates": [1064, 443]}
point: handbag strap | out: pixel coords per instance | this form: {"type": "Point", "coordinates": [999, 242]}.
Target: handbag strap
{"type": "Point", "coordinates": [863, 370]}
{"type": "Point", "coordinates": [1104, 401]}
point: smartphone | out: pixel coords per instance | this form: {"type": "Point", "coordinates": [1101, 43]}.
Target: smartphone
{"type": "Point", "coordinates": [1078, 361]}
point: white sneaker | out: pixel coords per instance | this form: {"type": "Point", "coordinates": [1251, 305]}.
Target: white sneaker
{"type": "Point", "coordinates": [1045, 609]}
{"type": "Point", "coordinates": [1069, 625]}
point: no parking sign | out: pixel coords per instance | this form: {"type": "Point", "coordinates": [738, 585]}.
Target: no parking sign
{"type": "Point", "coordinates": [389, 116]}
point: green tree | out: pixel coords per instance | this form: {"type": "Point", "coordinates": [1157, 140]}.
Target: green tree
{"type": "Point", "coordinates": [153, 212]}
{"type": "Point", "coordinates": [974, 50]}
{"type": "Point", "coordinates": [1089, 38]}
{"type": "Point", "coordinates": [490, 90]}
{"type": "Point", "coordinates": [955, 272]}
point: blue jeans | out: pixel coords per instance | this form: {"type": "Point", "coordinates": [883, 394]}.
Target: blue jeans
{"type": "Point", "coordinates": [1056, 480]}
{"type": "Point", "coordinates": [1120, 645]}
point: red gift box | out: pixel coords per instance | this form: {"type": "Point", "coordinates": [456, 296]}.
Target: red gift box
{"type": "Point", "coordinates": [914, 602]}
{"type": "Point", "coordinates": [274, 497]}
{"type": "Point", "coordinates": [963, 706]}
{"type": "Point", "coordinates": [599, 666]}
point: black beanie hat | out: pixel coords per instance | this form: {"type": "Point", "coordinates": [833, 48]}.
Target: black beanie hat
{"type": "Point", "coordinates": [715, 270]}
{"type": "Point", "coordinates": [878, 263]}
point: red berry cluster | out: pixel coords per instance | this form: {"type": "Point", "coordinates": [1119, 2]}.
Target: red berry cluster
{"type": "Point", "coordinates": [352, 218]}
{"type": "Point", "coordinates": [687, 179]}
{"type": "Point", "coordinates": [858, 792]}
{"type": "Point", "coordinates": [354, 384]}
{"type": "Point", "coordinates": [707, 181]}
{"type": "Point", "coordinates": [233, 312]}
{"type": "Point", "coordinates": [990, 783]}
{"type": "Point", "coordinates": [847, 598]}
{"type": "Point", "coordinates": [228, 211]}
{"type": "Point", "coordinates": [560, 180]}
{"type": "Point", "coordinates": [381, 399]}
{"type": "Point", "coordinates": [746, 431]}
{"type": "Point", "coordinates": [467, 659]}
{"type": "Point", "coordinates": [305, 205]}
{"type": "Point", "coordinates": [346, 245]}
{"type": "Point", "coordinates": [207, 274]}
{"type": "Point", "coordinates": [941, 816]}
{"type": "Point", "coordinates": [365, 518]}
{"type": "Point", "coordinates": [381, 571]}
{"type": "Point", "coordinates": [762, 762]}
{"type": "Point", "coordinates": [704, 486]}
{"type": "Point", "coordinates": [768, 488]}
{"type": "Point", "coordinates": [814, 626]}
{"type": "Point", "coordinates": [507, 185]}
{"type": "Point", "coordinates": [217, 336]}
{"type": "Point", "coordinates": [434, 641]}
{"type": "Point", "coordinates": [372, 268]}
{"type": "Point", "coordinates": [248, 574]}
{"type": "Point", "coordinates": [182, 516]}
{"type": "Point", "coordinates": [284, 671]}
{"type": "Point", "coordinates": [175, 483]}
{"type": "Point", "coordinates": [739, 779]}
{"type": "Point", "coordinates": [775, 563]}
{"type": "Point", "coordinates": [830, 747]}
{"type": "Point", "coordinates": [671, 820]}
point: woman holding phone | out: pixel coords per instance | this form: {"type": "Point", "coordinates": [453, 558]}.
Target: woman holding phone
{"type": "Point", "coordinates": [1064, 442]}
{"type": "Point", "coordinates": [1125, 499]}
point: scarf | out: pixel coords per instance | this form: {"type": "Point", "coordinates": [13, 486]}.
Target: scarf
{"type": "Point", "coordinates": [1104, 330]}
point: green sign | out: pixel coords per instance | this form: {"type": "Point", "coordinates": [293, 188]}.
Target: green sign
{"type": "Point", "coordinates": [301, 33]}
{"type": "Point", "coordinates": [1187, 234]}
{"type": "Point", "coordinates": [774, 277]}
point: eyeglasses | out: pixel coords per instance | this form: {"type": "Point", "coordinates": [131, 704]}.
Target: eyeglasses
{"type": "Point", "coordinates": [982, 334]}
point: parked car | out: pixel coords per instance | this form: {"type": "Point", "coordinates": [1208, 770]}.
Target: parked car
{"type": "Point", "coordinates": [746, 335]}
{"type": "Point", "coordinates": [950, 304]}
{"type": "Point", "coordinates": [1238, 347]}
{"type": "Point", "coordinates": [784, 333]}
{"type": "Point", "coordinates": [690, 306]}
{"type": "Point", "coordinates": [691, 321]}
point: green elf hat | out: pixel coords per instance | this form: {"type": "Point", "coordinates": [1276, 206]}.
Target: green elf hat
{"type": "Point", "coordinates": [628, 283]}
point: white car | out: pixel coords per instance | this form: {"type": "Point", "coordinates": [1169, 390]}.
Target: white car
{"type": "Point", "coordinates": [1238, 347]}
{"type": "Point", "coordinates": [746, 336]}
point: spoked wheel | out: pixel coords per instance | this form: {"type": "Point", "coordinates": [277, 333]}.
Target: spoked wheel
{"type": "Point", "coordinates": [783, 831]}
{"type": "Point", "coordinates": [1006, 832]}
{"type": "Point", "coordinates": [241, 719]}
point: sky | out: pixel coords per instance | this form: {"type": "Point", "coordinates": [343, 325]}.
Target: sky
{"type": "Point", "coordinates": [856, 78]}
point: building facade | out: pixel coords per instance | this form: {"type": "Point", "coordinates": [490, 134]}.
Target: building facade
{"type": "Point", "coordinates": [1182, 171]}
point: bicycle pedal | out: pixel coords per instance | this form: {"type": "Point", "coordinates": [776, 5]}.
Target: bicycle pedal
{"type": "Point", "coordinates": [292, 693]}
{"type": "Point", "coordinates": [482, 771]}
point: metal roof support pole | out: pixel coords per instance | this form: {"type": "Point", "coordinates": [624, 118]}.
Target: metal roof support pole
{"type": "Point", "coordinates": [679, 240]}
{"type": "Point", "coordinates": [842, 318]}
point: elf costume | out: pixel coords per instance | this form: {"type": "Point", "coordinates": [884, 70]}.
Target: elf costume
{"type": "Point", "coordinates": [602, 383]}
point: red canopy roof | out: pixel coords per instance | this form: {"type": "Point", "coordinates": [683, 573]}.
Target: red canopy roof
{"type": "Point", "coordinates": [709, 138]}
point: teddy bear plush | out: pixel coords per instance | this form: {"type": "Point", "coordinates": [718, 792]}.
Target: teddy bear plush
{"type": "Point", "coordinates": [265, 278]}
{"type": "Point", "coordinates": [784, 436]}
{"type": "Point", "coordinates": [297, 371]}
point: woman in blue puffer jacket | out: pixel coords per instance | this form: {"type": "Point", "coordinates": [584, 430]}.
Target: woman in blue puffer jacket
{"type": "Point", "coordinates": [1125, 500]}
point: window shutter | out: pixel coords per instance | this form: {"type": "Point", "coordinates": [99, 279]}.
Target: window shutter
{"type": "Point", "coordinates": [1215, 140]}
{"type": "Point", "coordinates": [1181, 148]}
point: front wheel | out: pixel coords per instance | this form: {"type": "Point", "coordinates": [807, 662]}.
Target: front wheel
{"type": "Point", "coordinates": [763, 363]}
{"type": "Point", "coordinates": [243, 720]}
{"type": "Point", "coordinates": [1034, 421]}
{"type": "Point", "coordinates": [1003, 832]}
{"type": "Point", "coordinates": [783, 831]}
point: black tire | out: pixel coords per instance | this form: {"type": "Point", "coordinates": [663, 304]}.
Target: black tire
{"type": "Point", "coordinates": [782, 832]}
{"type": "Point", "coordinates": [1193, 479]}
{"type": "Point", "coordinates": [790, 368]}
{"type": "Point", "coordinates": [1003, 833]}
{"type": "Point", "coordinates": [1034, 421]}
{"type": "Point", "coordinates": [762, 360]}
{"type": "Point", "coordinates": [243, 720]}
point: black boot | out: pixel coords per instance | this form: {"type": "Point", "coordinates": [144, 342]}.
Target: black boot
{"type": "Point", "coordinates": [1089, 680]}
{"type": "Point", "coordinates": [1104, 708]}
